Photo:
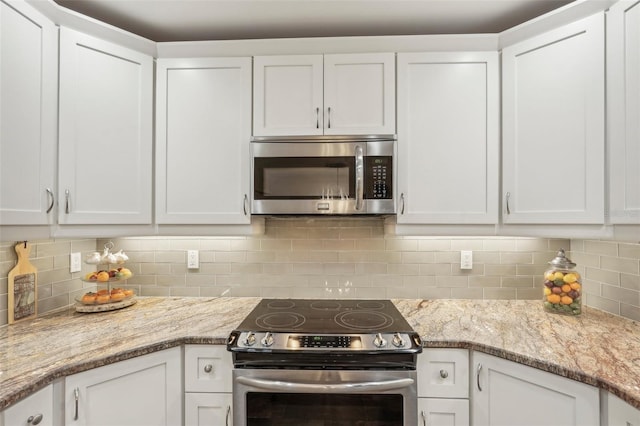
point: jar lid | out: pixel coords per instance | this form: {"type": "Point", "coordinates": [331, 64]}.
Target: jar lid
{"type": "Point", "coordinates": [562, 261]}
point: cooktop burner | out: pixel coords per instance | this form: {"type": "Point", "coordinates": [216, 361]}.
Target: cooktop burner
{"type": "Point", "coordinates": [325, 316]}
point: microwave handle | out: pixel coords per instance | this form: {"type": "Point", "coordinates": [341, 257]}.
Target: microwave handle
{"type": "Point", "coordinates": [359, 177]}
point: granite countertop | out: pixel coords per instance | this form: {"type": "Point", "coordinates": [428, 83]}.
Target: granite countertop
{"type": "Point", "coordinates": [595, 348]}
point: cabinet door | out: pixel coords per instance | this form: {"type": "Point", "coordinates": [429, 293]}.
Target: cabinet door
{"type": "Point", "coordinates": [553, 126]}
{"type": "Point", "coordinates": [203, 130]}
{"type": "Point", "coordinates": [203, 409]}
{"type": "Point", "coordinates": [508, 393]}
{"type": "Point", "coordinates": [443, 412]}
{"type": "Point", "coordinates": [207, 369]}
{"type": "Point", "coordinates": [619, 413]}
{"type": "Point", "coordinates": [623, 111]}
{"type": "Point", "coordinates": [359, 94]}
{"type": "Point", "coordinates": [105, 145]}
{"type": "Point", "coordinates": [287, 95]}
{"type": "Point", "coordinates": [140, 391]}
{"type": "Point", "coordinates": [448, 139]}
{"type": "Point", "coordinates": [28, 115]}
{"type": "Point", "coordinates": [35, 409]}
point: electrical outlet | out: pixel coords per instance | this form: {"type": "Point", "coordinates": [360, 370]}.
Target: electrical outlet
{"type": "Point", "coordinates": [466, 259]}
{"type": "Point", "coordinates": [75, 262]}
{"type": "Point", "coordinates": [193, 259]}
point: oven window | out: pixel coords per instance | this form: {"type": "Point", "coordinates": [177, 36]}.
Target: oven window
{"type": "Point", "coordinates": [297, 409]}
{"type": "Point", "coordinates": [304, 178]}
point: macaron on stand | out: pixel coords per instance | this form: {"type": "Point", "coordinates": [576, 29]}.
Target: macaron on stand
{"type": "Point", "coordinates": [110, 269]}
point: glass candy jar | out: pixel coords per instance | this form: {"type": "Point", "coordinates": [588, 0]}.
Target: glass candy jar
{"type": "Point", "coordinates": [562, 287]}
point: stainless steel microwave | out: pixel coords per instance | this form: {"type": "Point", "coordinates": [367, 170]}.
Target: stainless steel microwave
{"type": "Point", "coordinates": [323, 175]}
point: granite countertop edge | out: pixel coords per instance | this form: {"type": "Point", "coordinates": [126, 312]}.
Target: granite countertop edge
{"type": "Point", "coordinates": [433, 313]}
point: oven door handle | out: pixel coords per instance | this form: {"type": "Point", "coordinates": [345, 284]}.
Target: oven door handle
{"type": "Point", "coordinates": [356, 387]}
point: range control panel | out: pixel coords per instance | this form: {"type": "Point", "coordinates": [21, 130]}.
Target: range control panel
{"type": "Point", "coordinates": [256, 341]}
{"type": "Point", "coordinates": [378, 177]}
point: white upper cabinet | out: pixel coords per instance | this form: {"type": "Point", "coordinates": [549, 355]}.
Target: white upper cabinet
{"type": "Point", "coordinates": [359, 94]}
{"type": "Point", "coordinates": [106, 130]}
{"type": "Point", "coordinates": [203, 131]}
{"type": "Point", "coordinates": [28, 115]}
{"type": "Point", "coordinates": [623, 114]}
{"type": "Point", "coordinates": [553, 126]}
{"type": "Point", "coordinates": [448, 138]}
{"type": "Point", "coordinates": [341, 94]}
{"type": "Point", "coordinates": [287, 95]}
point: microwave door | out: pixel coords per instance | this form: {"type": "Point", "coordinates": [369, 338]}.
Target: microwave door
{"type": "Point", "coordinates": [302, 185]}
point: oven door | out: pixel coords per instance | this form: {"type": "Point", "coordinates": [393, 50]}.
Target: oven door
{"type": "Point", "coordinates": [270, 397]}
{"type": "Point", "coordinates": [322, 177]}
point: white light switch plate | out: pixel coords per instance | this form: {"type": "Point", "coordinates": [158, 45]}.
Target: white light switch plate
{"type": "Point", "coordinates": [75, 262]}
{"type": "Point", "coordinates": [466, 259]}
{"type": "Point", "coordinates": [193, 259]}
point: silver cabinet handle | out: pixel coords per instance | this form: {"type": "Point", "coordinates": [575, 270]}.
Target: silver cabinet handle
{"type": "Point", "coordinates": [359, 387]}
{"type": "Point", "coordinates": [359, 177]}
{"type": "Point", "coordinates": [67, 203]}
{"type": "Point", "coordinates": [478, 376]}
{"type": "Point", "coordinates": [226, 420]}
{"type": "Point", "coordinates": [402, 203]}
{"type": "Point", "coordinates": [35, 420]}
{"type": "Point", "coordinates": [52, 198]}
{"type": "Point", "coordinates": [208, 368]}
{"type": "Point", "coordinates": [508, 197]}
{"type": "Point", "coordinates": [444, 374]}
{"type": "Point", "coordinates": [329, 117]}
{"type": "Point", "coordinates": [424, 418]}
{"type": "Point", "coordinates": [244, 204]}
{"type": "Point", "coordinates": [76, 395]}
{"type": "Point", "coordinates": [317, 118]}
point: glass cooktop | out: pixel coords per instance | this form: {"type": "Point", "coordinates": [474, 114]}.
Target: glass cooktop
{"type": "Point", "coordinates": [325, 316]}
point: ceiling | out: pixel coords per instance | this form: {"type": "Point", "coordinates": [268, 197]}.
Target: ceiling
{"type": "Point", "coordinates": [182, 20]}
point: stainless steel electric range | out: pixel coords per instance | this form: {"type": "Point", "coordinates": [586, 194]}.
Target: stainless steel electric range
{"type": "Point", "coordinates": [324, 362]}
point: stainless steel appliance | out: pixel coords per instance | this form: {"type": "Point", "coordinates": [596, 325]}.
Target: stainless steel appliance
{"type": "Point", "coordinates": [324, 362]}
{"type": "Point", "coordinates": [323, 175]}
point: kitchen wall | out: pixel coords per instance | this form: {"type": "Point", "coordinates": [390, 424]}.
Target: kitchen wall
{"type": "Point", "coordinates": [611, 275]}
{"type": "Point", "coordinates": [347, 257]}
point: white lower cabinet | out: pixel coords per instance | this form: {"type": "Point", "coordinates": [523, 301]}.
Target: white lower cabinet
{"type": "Point", "coordinates": [443, 387]}
{"type": "Point", "coordinates": [619, 413]}
{"type": "Point", "coordinates": [36, 409]}
{"type": "Point", "coordinates": [145, 390]}
{"type": "Point", "coordinates": [511, 394]}
{"type": "Point", "coordinates": [207, 385]}
{"type": "Point", "coordinates": [202, 409]}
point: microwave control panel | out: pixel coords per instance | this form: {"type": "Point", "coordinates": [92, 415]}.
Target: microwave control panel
{"type": "Point", "coordinates": [378, 177]}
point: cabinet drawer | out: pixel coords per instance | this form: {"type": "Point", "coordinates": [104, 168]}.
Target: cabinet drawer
{"type": "Point", "coordinates": [207, 368]}
{"type": "Point", "coordinates": [443, 373]}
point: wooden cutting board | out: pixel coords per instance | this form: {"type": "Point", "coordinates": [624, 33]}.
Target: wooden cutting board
{"type": "Point", "coordinates": [23, 286]}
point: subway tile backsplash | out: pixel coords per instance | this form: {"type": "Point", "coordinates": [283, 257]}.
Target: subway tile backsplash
{"type": "Point", "coordinates": [611, 275]}
{"type": "Point", "coordinates": [338, 258]}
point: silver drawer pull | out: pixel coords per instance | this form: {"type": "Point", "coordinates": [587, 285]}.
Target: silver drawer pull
{"type": "Point", "coordinates": [208, 368]}
{"type": "Point", "coordinates": [444, 374]}
{"type": "Point", "coordinates": [34, 420]}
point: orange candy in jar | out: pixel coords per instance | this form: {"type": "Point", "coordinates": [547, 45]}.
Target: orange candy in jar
{"type": "Point", "coordinates": [562, 287]}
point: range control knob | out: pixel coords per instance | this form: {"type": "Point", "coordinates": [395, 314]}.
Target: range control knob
{"type": "Point", "coordinates": [250, 340]}
{"type": "Point", "coordinates": [267, 340]}
{"type": "Point", "coordinates": [379, 341]}
{"type": "Point", "coordinates": [397, 341]}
